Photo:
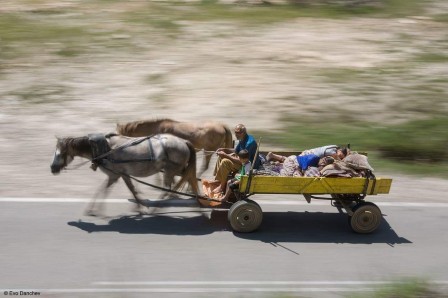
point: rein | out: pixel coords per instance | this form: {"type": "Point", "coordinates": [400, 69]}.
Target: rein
{"type": "Point", "coordinates": [206, 152]}
{"type": "Point", "coordinates": [125, 145]}
{"type": "Point", "coordinates": [196, 196]}
{"type": "Point", "coordinates": [75, 167]}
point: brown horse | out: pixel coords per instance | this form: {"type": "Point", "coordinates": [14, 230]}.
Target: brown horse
{"type": "Point", "coordinates": [209, 136]}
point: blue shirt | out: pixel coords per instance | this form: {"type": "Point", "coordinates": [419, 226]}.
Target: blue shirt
{"type": "Point", "coordinates": [250, 145]}
{"type": "Point", "coordinates": [305, 161]}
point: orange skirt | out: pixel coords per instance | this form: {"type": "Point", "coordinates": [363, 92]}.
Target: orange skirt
{"type": "Point", "coordinates": [208, 187]}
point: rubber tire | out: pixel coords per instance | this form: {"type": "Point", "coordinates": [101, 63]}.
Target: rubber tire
{"type": "Point", "coordinates": [366, 218]}
{"type": "Point", "coordinates": [245, 216]}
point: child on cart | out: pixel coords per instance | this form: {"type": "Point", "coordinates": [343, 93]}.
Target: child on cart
{"type": "Point", "coordinates": [234, 183]}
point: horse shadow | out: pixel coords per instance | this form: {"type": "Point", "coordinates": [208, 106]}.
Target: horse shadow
{"type": "Point", "coordinates": [163, 223]}
{"type": "Point", "coordinates": [305, 227]}
{"type": "Point", "coordinates": [318, 227]}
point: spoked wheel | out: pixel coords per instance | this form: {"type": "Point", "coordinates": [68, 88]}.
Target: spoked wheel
{"type": "Point", "coordinates": [245, 216]}
{"type": "Point", "coordinates": [366, 218]}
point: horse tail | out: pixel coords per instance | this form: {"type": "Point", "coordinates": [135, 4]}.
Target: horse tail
{"type": "Point", "coordinates": [189, 174]}
{"type": "Point", "coordinates": [228, 143]}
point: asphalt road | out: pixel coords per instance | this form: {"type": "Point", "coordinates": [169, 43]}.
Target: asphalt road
{"type": "Point", "coordinates": [305, 250]}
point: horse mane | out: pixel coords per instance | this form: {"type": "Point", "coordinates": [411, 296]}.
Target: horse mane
{"type": "Point", "coordinates": [129, 128]}
{"type": "Point", "coordinates": [110, 135]}
{"type": "Point", "coordinates": [76, 145]}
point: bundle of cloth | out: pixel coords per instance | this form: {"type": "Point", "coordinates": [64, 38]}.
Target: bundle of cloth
{"type": "Point", "coordinates": [325, 161]}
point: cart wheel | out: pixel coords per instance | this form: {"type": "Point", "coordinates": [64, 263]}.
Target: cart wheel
{"type": "Point", "coordinates": [245, 216]}
{"type": "Point", "coordinates": [366, 218]}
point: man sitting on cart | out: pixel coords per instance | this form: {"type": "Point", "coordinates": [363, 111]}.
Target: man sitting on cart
{"type": "Point", "coordinates": [228, 161]}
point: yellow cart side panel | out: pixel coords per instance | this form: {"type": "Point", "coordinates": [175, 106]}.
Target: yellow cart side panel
{"type": "Point", "coordinates": [314, 185]}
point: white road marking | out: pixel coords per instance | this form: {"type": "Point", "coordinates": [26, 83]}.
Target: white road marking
{"type": "Point", "coordinates": [188, 290]}
{"type": "Point", "coordinates": [217, 286]}
{"type": "Point", "coordinates": [192, 202]}
{"type": "Point", "coordinates": [238, 283]}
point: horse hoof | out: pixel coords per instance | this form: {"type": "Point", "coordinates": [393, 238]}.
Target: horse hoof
{"type": "Point", "coordinates": [90, 213]}
{"type": "Point", "coordinates": [139, 211]}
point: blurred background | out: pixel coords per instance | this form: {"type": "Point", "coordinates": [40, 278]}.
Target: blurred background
{"type": "Point", "coordinates": [299, 74]}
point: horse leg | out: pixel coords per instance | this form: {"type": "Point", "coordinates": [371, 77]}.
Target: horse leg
{"type": "Point", "coordinates": [167, 183]}
{"type": "Point", "coordinates": [158, 179]}
{"type": "Point", "coordinates": [132, 188]}
{"type": "Point", "coordinates": [101, 192]}
{"type": "Point", "coordinates": [168, 180]}
{"type": "Point", "coordinates": [205, 162]}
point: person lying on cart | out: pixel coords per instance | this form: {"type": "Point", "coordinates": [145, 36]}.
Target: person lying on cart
{"type": "Point", "coordinates": [228, 161]}
{"type": "Point", "coordinates": [296, 165]}
{"type": "Point", "coordinates": [330, 150]}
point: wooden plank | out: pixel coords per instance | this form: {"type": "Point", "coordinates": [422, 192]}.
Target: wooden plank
{"type": "Point", "coordinates": [289, 153]}
{"type": "Point", "coordinates": [314, 185]}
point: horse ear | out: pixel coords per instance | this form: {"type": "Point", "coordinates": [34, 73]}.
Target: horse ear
{"type": "Point", "coordinates": [59, 139]}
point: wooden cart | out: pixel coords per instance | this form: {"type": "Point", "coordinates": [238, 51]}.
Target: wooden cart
{"type": "Point", "coordinates": [347, 193]}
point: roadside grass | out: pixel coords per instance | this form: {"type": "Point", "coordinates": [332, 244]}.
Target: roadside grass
{"type": "Point", "coordinates": [414, 94]}
{"type": "Point", "coordinates": [24, 34]}
{"type": "Point", "coordinates": [41, 94]}
{"type": "Point", "coordinates": [167, 16]}
{"type": "Point", "coordinates": [22, 38]}
{"type": "Point", "coordinates": [408, 288]}
{"type": "Point", "coordinates": [415, 147]}
{"type": "Point", "coordinates": [155, 78]}
{"type": "Point", "coordinates": [21, 30]}
{"type": "Point", "coordinates": [346, 74]}
{"type": "Point", "coordinates": [443, 17]}
{"type": "Point", "coordinates": [432, 57]}
{"type": "Point", "coordinates": [402, 8]}
{"type": "Point", "coordinates": [76, 27]}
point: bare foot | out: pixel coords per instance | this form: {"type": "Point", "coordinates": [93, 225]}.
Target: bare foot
{"type": "Point", "coordinates": [217, 190]}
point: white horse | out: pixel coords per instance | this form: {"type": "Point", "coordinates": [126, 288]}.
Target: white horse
{"type": "Point", "coordinates": [139, 157]}
{"type": "Point", "coordinates": [207, 135]}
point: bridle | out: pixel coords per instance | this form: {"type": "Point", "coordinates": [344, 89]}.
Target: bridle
{"type": "Point", "coordinates": [65, 155]}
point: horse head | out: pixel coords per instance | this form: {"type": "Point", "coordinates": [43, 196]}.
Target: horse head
{"type": "Point", "coordinates": [61, 156]}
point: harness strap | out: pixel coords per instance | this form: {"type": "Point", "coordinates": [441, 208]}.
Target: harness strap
{"type": "Point", "coordinates": [128, 160]}
{"type": "Point", "coordinates": [151, 150]}
{"type": "Point", "coordinates": [163, 147]}
{"type": "Point", "coordinates": [98, 159]}
{"type": "Point", "coordinates": [159, 187]}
